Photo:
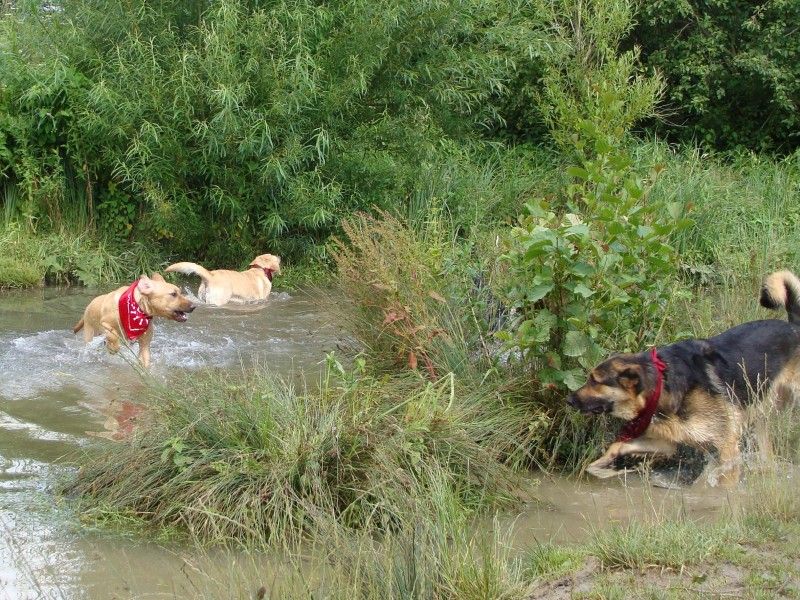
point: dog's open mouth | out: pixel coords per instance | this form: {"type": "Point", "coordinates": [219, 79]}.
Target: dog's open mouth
{"type": "Point", "coordinates": [180, 316]}
{"type": "Point", "coordinates": [596, 409]}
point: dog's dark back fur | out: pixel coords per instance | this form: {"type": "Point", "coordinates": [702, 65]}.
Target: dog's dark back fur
{"type": "Point", "coordinates": [742, 360]}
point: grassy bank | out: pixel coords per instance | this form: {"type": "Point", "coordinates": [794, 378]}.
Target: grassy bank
{"type": "Point", "coordinates": [253, 459]}
{"type": "Point", "coordinates": [30, 259]}
{"type": "Point", "coordinates": [749, 552]}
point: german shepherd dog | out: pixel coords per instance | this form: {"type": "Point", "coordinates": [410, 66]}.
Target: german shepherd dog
{"type": "Point", "coordinates": [698, 392]}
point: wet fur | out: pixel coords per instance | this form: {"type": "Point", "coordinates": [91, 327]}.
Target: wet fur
{"type": "Point", "coordinates": [154, 296]}
{"type": "Point", "coordinates": [222, 286]}
{"type": "Point", "coordinates": [709, 386]}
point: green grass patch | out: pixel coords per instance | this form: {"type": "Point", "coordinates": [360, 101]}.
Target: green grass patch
{"type": "Point", "coordinates": [674, 544]}
{"type": "Point", "coordinates": [31, 259]}
{"type": "Point", "coordinates": [19, 273]}
{"type": "Point", "coordinates": [551, 560]}
{"type": "Point", "coordinates": [250, 458]}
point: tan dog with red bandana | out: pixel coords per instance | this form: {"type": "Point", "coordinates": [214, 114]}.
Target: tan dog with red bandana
{"type": "Point", "coordinates": [127, 313]}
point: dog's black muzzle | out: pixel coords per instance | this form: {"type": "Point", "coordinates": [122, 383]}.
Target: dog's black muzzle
{"type": "Point", "coordinates": [595, 406]}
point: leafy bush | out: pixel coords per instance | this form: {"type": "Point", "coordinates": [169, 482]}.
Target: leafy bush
{"type": "Point", "coordinates": [595, 275]}
{"type": "Point", "coordinates": [265, 122]}
{"type": "Point", "coordinates": [590, 267]}
{"type": "Point", "coordinates": [732, 69]}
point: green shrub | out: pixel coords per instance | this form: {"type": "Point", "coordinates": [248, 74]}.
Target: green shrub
{"type": "Point", "coordinates": [267, 122]}
{"type": "Point", "coordinates": [732, 69]}
{"type": "Point", "coordinates": [590, 266]}
{"type": "Point", "coordinates": [595, 275]}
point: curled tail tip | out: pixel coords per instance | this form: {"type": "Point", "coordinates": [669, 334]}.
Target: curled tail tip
{"type": "Point", "coordinates": [781, 289]}
{"type": "Point", "coordinates": [78, 326]}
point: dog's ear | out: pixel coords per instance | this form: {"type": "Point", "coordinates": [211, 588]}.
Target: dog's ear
{"type": "Point", "coordinates": [157, 277]}
{"type": "Point", "coordinates": [630, 378]}
{"type": "Point", "coordinates": [145, 285]}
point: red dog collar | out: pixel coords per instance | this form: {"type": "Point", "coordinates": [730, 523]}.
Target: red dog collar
{"type": "Point", "coordinates": [133, 319]}
{"type": "Point", "coordinates": [267, 272]}
{"type": "Point", "coordinates": [636, 427]}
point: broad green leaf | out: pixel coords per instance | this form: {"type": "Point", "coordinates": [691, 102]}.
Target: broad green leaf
{"type": "Point", "coordinates": [538, 292]}
{"type": "Point", "coordinates": [574, 378]}
{"type": "Point", "coordinates": [576, 343]}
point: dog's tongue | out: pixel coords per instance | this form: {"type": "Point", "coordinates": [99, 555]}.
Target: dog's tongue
{"type": "Point", "coordinates": [181, 317]}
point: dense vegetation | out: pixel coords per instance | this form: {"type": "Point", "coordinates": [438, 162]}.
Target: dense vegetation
{"type": "Point", "coordinates": [183, 127]}
{"type": "Point", "coordinates": [487, 179]}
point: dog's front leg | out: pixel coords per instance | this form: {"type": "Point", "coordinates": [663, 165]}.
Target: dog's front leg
{"type": "Point", "coordinates": [144, 347]}
{"type": "Point", "coordinates": [603, 468]}
{"type": "Point", "coordinates": [112, 337]}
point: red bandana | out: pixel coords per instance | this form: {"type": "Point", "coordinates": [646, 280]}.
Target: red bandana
{"type": "Point", "coordinates": [267, 272]}
{"type": "Point", "coordinates": [636, 427]}
{"type": "Point", "coordinates": [133, 319]}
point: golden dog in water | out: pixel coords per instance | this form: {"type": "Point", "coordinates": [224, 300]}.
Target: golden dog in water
{"type": "Point", "coordinates": [698, 392]}
{"type": "Point", "coordinates": [126, 313]}
{"type": "Point", "coordinates": [222, 286]}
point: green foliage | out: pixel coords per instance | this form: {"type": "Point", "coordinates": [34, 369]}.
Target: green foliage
{"type": "Point", "coordinates": [586, 77]}
{"type": "Point", "coordinates": [262, 122]}
{"type": "Point", "coordinates": [412, 294]}
{"type": "Point", "coordinates": [596, 274]}
{"type": "Point", "coordinates": [574, 61]}
{"type": "Point", "coordinates": [591, 267]}
{"type": "Point", "coordinates": [17, 273]}
{"type": "Point", "coordinates": [29, 259]}
{"type": "Point", "coordinates": [678, 544]}
{"type": "Point", "coordinates": [746, 213]}
{"type": "Point", "coordinates": [732, 68]}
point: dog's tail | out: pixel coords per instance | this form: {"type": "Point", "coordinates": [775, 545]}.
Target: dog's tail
{"type": "Point", "coordinates": [188, 268]}
{"type": "Point", "coordinates": [78, 326]}
{"type": "Point", "coordinates": [782, 290]}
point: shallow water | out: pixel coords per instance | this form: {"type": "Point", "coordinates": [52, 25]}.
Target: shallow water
{"type": "Point", "coordinates": [56, 393]}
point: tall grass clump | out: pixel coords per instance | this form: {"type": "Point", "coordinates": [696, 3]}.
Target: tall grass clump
{"type": "Point", "coordinates": [445, 559]}
{"type": "Point", "coordinates": [745, 209]}
{"type": "Point", "coordinates": [673, 544]}
{"type": "Point", "coordinates": [250, 458]}
{"type": "Point", "coordinates": [414, 299]}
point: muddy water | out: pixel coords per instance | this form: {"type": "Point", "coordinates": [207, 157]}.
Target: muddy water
{"type": "Point", "coordinates": [55, 391]}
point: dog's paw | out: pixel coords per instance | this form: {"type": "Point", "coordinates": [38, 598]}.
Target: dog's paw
{"type": "Point", "coordinates": [602, 470]}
